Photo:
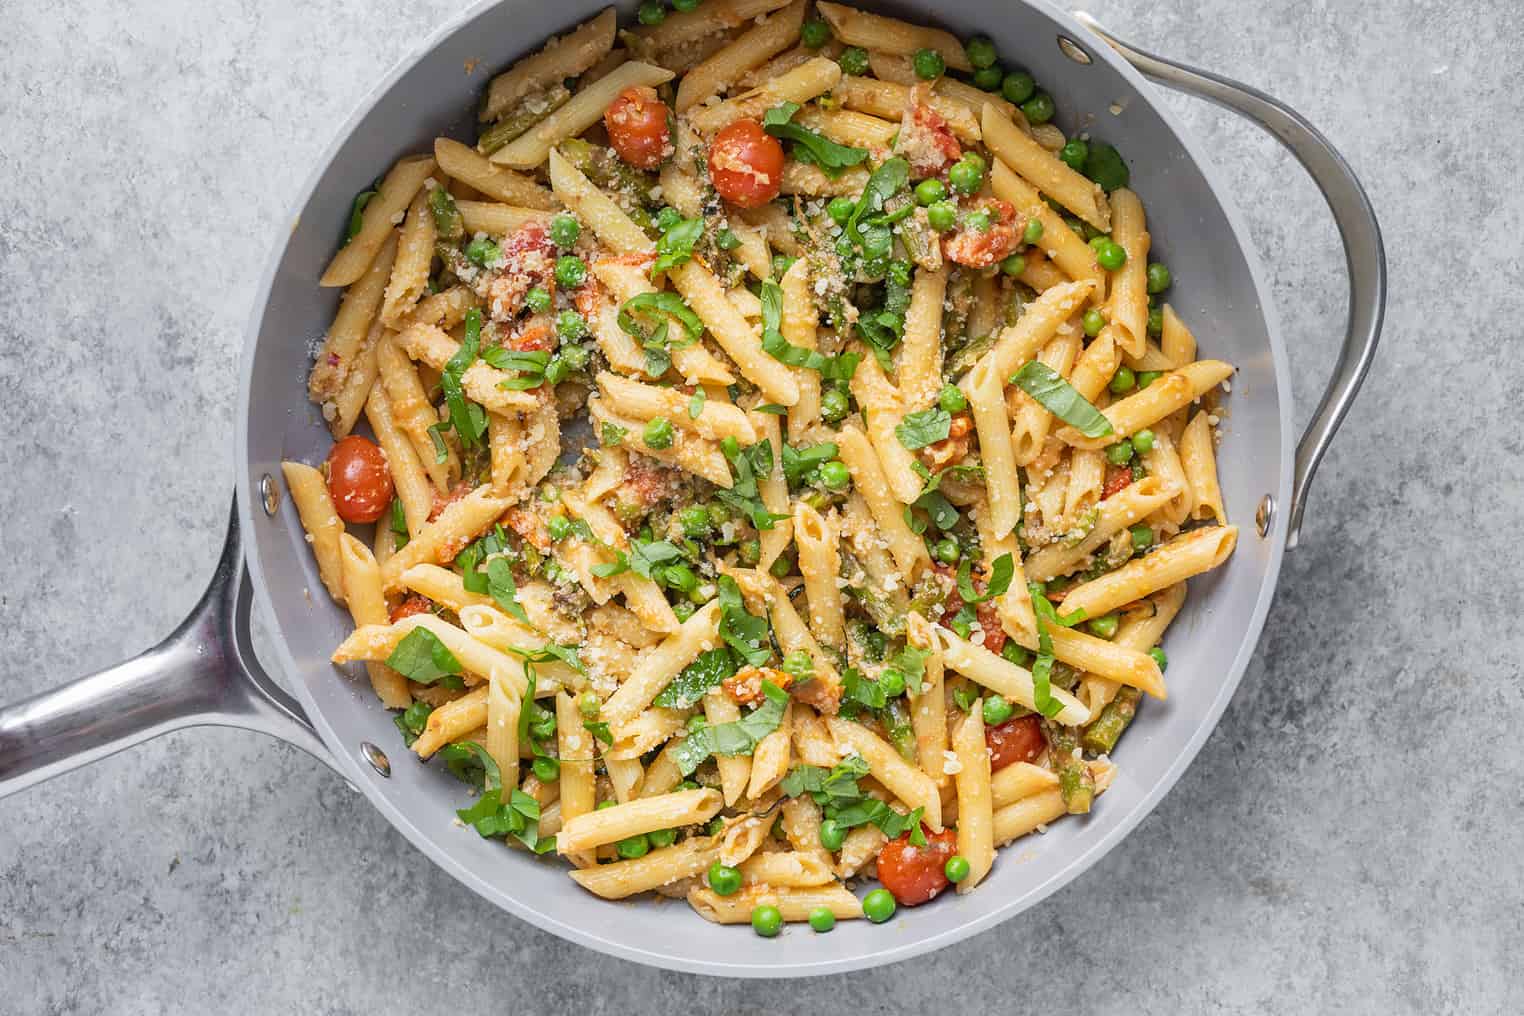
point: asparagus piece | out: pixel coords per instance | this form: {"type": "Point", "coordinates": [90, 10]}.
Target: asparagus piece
{"type": "Point", "coordinates": [1074, 780]}
{"type": "Point", "coordinates": [448, 223]}
{"type": "Point", "coordinates": [521, 118]}
{"type": "Point", "coordinates": [896, 718]}
{"type": "Point", "coordinates": [1103, 732]}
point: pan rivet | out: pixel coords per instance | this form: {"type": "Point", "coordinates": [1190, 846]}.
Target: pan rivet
{"type": "Point", "coordinates": [271, 495]}
{"type": "Point", "coordinates": [1264, 515]}
{"type": "Point", "coordinates": [377, 758]}
{"type": "Point", "coordinates": [1073, 50]}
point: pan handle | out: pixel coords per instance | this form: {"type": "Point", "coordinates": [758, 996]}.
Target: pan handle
{"type": "Point", "coordinates": [1364, 255]}
{"type": "Point", "coordinates": [204, 673]}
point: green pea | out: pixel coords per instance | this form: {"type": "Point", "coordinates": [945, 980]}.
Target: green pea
{"type": "Point", "coordinates": [833, 405]}
{"type": "Point", "coordinates": [727, 240]}
{"type": "Point", "coordinates": [1158, 277]}
{"type": "Point", "coordinates": [658, 433]}
{"type": "Point", "coordinates": [853, 60]}
{"type": "Point", "coordinates": [606, 805]}
{"type": "Point", "coordinates": [538, 300]}
{"type": "Point", "coordinates": [1123, 380]}
{"type": "Point", "coordinates": [632, 847]}
{"type": "Point", "coordinates": [1033, 232]}
{"type": "Point", "coordinates": [556, 370]}
{"type": "Point", "coordinates": [840, 210]}
{"type": "Point", "coordinates": [571, 271]}
{"type": "Point", "coordinates": [667, 218]}
{"type": "Point", "coordinates": [966, 177]}
{"type": "Point", "coordinates": [947, 550]}
{"type": "Point", "coordinates": [979, 220]}
{"type": "Point", "coordinates": [1155, 321]}
{"type": "Point", "coordinates": [815, 33]}
{"type": "Point", "coordinates": [892, 682]}
{"type": "Point", "coordinates": [952, 399]}
{"type": "Point", "coordinates": [879, 906]}
{"type": "Point", "coordinates": [1160, 657]}
{"type": "Point", "coordinates": [980, 51]}
{"type": "Point", "coordinates": [997, 710]}
{"type": "Point", "coordinates": [564, 230]}
{"type": "Point", "coordinates": [1142, 537]}
{"type": "Point", "coordinates": [1104, 626]}
{"type": "Point", "coordinates": [1018, 87]}
{"type": "Point", "coordinates": [694, 521]}
{"type": "Point", "coordinates": [1094, 321]}
{"type": "Point", "coordinates": [822, 920]}
{"type": "Point", "coordinates": [1143, 442]}
{"type": "Point", "coordinates": [928, 64]}
{"type": "Point", "coordinates": [652, 12]}
{"type": "Point", "coordinates": [559, 527]}
{"type": "Point", "coordinates": [834, 475]}
{"type": "Point", "coordinates": [751, 552]}
{"type": "Point", "coordinates": [799, 665]}
{"type": "Point", "coordinates": [685, 5]}
{"type": "Point", "coordinates": [589, 705]}
{"type": "Point", "coordinates": [927, 192]}
{"type": "Point", "coordinates": [1011, 652]}
{"type": "Point", "coordinates": [681, 578]}
{"type": "Point", "coordinates": [662, 837]}
{"type": "Point", "coordinates": [989, 78]}
{"type": "Point", "coordinates": [1120, 453]}
{"type": "Point", "coordinates": [1073, 154]}
{"type": "Point", "coordinates": [683, 610]}
{"type": "Point", "coordinates": [1014, 265]}
{"type": "Point", "coordinates": [832, 835]}
{"type": "Point", "coordinates": [1148, 377]}
{"type": "Point", "coordinates": [724, 879]}
{"type": "Point", "coordinates": [766, 920]}
{"type": "Point", "coordinates": [483, 252]}
{"type": "Point", "coordinates": [570, 325]}
{"type": "Point", "coordinates": [1111, 256]}
{"type": "Point", "coordinates": [782, 568]}
{"type": "Point", "coordinates": [1039, 108]}
{"type": "Point", "coordinates": [956, 869]}
{"type": "Point", "coordinates": [942, 216]}
{"type": "Point", "coordinates": [575, 356]}
{"type": "Point", "coordinates": [546, 768]}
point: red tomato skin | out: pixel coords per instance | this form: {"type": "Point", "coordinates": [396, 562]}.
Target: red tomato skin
{"type": "Point", "coordinates": [746, 164]}
{"type": "Point", "coordinates": [637, 124]}
{"type": "Point", "coordinates": [358, 480]}
{"type": "Point", "coordinates": [914, 874]}
{"type": "Point", "coordinates": [1017, 740]}
{"type": "Point", "coordinates": [1118, 479]}
{"type": "Point", "coordinates": [416, 603]}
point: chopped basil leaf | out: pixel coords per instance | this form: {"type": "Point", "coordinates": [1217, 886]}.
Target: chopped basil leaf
{"type": "Point", "coordinates": [1000, 579]}
{"type": "Point", "coordinates": [832, 368]}
{"type": "Point", "coordinates": [839, 783]}
{"type": "Point", "coordinates": [748, 634]}
{"type": "Point", "coordinates": [501, 587]}
{"type": "Point", "coordinates": [1042, 668]}
{"type": "Point", "coordinates": [469, 762]}
{"type": "Point", "coordinates": [676, 244]}
{"type": "Point", "coordinates": [737, 738]}
{"type": "Point", "coordinates": [412, 721]}
{"type": "Point", "coordinates": [745, 466]}
{"type": "Point", "coordinates": [689, 686]}
{"type": "Point", "coordinates": [772, 409]}
{"type": "Point", "coordinates": [911, 662]}
{"type": "Point", "coordinates": [1104, 165]}
{"type": "Point", "coordinates": [356, 215]}
{"type": "Point", "coordinates": [598, 729]}
{"type": "Point", "coordinates": [810, 146]}
{"type": "Point", "coordinates": [927, 427]}
{"type": "Point", "coordinates": [1059, 397]}
{"type": "Point", "coordinates": [797, 462]}
{"type": "Point", "coordinates": [528, 365]}
{"type": "Point", "coordinates": [467, 419]}
{"type": "Point", "coordinates": [421, 657]}
{"type": "Point", "coordinates": [696, 404]}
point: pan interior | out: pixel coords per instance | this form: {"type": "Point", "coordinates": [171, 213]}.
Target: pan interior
{"type": "Point", "coordinates": [1216, 291]}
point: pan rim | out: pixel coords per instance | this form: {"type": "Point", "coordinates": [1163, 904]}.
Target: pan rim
{"type": "Point", "coordinates": [542, 916]}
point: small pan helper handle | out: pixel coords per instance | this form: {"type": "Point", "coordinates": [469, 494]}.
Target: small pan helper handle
{"type": "Point", "coordinates": [1364, 255]}
{"type": "Point", "coordinates": [203, 674]}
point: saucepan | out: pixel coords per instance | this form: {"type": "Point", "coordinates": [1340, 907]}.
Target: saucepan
{"type": "Point", "coordinates": [206, 673]}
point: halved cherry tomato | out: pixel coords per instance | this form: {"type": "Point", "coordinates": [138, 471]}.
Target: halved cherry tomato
{"type": "Point", "coordinates": [916, 874]}
{"type": "Point", "coordinates": [1118, 478]}
{"type": "Point", "coordinates": [358, 480]}
{"type": "Point", "coordinates": [637, 124]}
{"type": "Point", "coordinates": [975, 248]}
{"type": "Point", "coordinates": [416, 603]}
{"type": "Point", "coordinates": [746, 164]}
{"type": "Point", "coordinates": [1018, 740]}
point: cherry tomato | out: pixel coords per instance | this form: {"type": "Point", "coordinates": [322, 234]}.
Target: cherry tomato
{"type": "Point", "coordinates": [746, 164]}
{"type": "Point", "coordinates": [416, 603]}
{"type": "Point", "coordinates": [976, 248]}
{"type": "Point", "coordinates": [1118, 478]}
{"type": "Point", "coordinates": [637, 124]}
{"type": "Point", "coordinates": [1018, 740]}
{"type": "Point", "coordinates": [916, 874]}
{"type": "Point", "coordinates": [358, 480]}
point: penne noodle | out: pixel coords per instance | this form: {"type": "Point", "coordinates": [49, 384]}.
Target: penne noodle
{"type": "Point", "coordinates": [358, 307]}
{"type": "Point", "coordinates": [771, 36]}
{"type": "Point", "coordinates": [579, 113]}
{"type": "Point", "coordinates": [464, 163]}
{"type": "Point", "coordinates": [410, 269]}
{"type": "Point", "coordinates": [309, 492]}
{"type": "Point", "coordinates": [890, 35]}
{"type": "Point", "coordinates": [1142, 409]}
{"type": "Point", "coordinates": [563, 57]}
{"type": "Point", "coordinates": [642, 815]}
{"type": "Point", "coordinates": [1129, 286]}
{"type": "Point", "coordinates": [975, 803]}
{"type": "Point", "coordinates": [1186, 555]}
{"type": "Point", "coordinates": [1198, 460]}
{"type": "Point", "coordinates": [1044, 170]}
{"type": "Point", "coordinates": [800, 85]}
{"type": "Point", "coordinates": [392, 199]}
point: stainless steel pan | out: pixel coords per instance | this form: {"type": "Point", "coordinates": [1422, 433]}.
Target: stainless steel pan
{"type": "Point", "coordinates": [205, 672]}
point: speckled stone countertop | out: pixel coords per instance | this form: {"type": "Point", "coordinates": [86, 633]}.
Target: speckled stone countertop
{"type": "Point", "coordinates": [1347, 841]}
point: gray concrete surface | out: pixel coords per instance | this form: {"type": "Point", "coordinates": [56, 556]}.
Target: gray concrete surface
{"type": "Point", "coordinates": [1349, 839]}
